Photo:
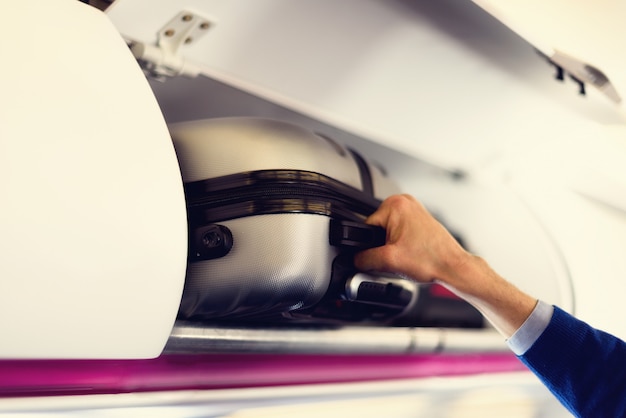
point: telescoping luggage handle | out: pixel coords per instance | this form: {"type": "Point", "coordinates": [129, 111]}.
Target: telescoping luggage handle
{"type": "Point", "coordinates": [355, 235]}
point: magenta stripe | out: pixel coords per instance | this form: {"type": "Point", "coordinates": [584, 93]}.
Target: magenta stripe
{"type": "Point", "coordinates": [177, 372]}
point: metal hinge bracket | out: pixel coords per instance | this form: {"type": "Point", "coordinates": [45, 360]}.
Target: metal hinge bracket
{"type": "Point", "coordinates": [165, 59]}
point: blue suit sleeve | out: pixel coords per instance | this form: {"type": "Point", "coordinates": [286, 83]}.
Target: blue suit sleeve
{"type": "Point", "coordinates": [583, 367]}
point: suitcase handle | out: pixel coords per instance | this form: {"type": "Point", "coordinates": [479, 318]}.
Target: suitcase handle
{"type": "Point", "coordinates": [356, 235]}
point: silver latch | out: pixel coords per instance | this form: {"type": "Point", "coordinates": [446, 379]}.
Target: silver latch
{"type": "Point", "coordinates": [165, 59]}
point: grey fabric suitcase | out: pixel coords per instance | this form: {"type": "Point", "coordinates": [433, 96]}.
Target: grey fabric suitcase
{"type": "Point", "coordinates": [275, 215]}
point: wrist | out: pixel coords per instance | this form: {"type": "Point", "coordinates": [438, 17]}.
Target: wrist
{"type": "Point", "coordinates": [460, 270]}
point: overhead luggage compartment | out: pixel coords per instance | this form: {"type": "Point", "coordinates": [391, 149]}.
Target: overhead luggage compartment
{"type": "Point", "coordinates": [442, 96]}
{"type": "Point", "coordinates": [423, 89]}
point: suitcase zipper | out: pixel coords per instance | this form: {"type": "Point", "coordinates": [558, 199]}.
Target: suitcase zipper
{"type": "Point", "coordinates": [275, 191]}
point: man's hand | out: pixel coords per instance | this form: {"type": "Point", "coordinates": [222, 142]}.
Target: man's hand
{"type": "Point", "coordinates": [419, 248]}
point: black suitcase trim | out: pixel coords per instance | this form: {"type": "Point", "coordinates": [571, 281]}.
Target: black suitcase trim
{"type": "Point", "coordinates": [275, 191]}
{"type": "Point", "coordinates": [266, 192]}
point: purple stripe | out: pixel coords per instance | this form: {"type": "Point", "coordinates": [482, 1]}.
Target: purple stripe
{"type": "Point", "coordinates": [177, 372]}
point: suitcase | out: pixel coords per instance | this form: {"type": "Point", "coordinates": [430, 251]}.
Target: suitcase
{"type": "Point", "coordinates": [275, 215]}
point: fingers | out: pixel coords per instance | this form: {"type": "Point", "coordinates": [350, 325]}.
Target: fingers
{"type": "Point", "coordinates": [369, 260]}
{"type": "Point", "coordinates": [379, 217]}
{"type": "Point", "coordinates": [416, 244]}
{"type": "Point", "coordinates": [390, 206]}
{"type": "Point", "coordinates": [390, 216]}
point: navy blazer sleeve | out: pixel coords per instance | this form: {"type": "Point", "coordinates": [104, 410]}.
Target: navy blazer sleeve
{"type": "Point", "coordinates": [583, 367]}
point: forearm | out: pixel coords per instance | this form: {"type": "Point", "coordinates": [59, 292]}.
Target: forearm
{"type": "Point", "coordinates": [503, 304]}
{"type": "Point", "coordinates": [582, 366]}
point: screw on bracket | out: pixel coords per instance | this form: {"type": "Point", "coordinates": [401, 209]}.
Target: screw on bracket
{"type": "Point", "coordinates": [165, 59]}
{"type": "Point", "coordinates": [184, 28]}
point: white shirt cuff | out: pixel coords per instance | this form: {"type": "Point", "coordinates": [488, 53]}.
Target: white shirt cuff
{"type": "Point", "coordinates": [531, 329]}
